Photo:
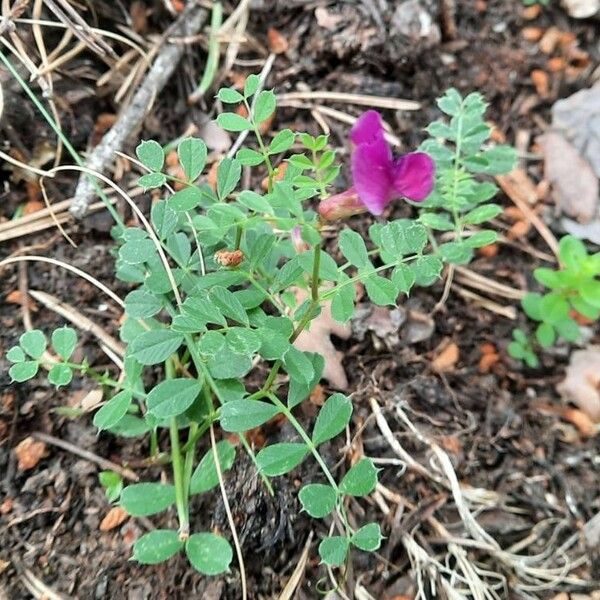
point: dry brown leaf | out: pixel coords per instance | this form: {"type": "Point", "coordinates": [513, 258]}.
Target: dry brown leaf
{"type": "Point", "coordinates": [113, 518]}
{"type": "Point", "coordinates": [91, 400]}
{"type": "Point", "coordinates": [446, 359]}
{"type": "Point", "coordinates": [318, 339]}
{"type": "Point", "coordinates": [29, 453]}
{"type": "Point", "coordinates": [518, 183]}
{"type": "Point", "coordinates": [582, 383]}
{"type": "Point", "coordinates": [574, 182]}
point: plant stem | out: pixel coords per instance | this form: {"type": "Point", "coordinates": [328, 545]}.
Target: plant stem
{"type": "Point", "coordinates": [212, 60]}
{"type": "Point", "coordinates": [178, 479]}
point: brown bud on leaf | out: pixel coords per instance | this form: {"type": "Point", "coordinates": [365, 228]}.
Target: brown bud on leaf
{"type": "Point", "coordinates": [229, 258]}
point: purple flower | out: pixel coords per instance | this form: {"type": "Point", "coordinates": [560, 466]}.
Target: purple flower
{"type": "Point", "coordinates": [378, 177]}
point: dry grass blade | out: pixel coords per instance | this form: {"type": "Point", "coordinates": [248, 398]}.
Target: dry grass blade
{"type": "Point", "coordinates": [485, 284]}
{"type": "Point", "coordinates": [360, 99]}
{"type": "Point", "coordinates": [35, 586]}
{"type": "Point", "coordinates": [510, 312]}
{"type": "Point", "coordinates": [86, 454]}
{"type": "Point", "coordinates": [81, 321]}
{"type": "Point", "coordinates": [73, 20]}
{"type": "Point", "coordinates": [290, 587]}
{"type": "Point", "coordinates": [188, 23]}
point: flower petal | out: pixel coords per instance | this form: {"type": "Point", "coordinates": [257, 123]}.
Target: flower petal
{"type": "Point", "coordinates": [367, 129]}
{"type": "Point", "coordinates": [373, 171]}
{"type": "Point", "coordinates": [414, 176]}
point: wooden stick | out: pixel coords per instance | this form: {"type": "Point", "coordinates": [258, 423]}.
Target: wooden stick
{"type": "Point", "coordinates": [188, 23]}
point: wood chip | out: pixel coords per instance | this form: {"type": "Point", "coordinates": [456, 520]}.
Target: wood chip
{"type": "Point", "coordinates": [446, 360]}
{"type": "Point", "coordinates": [113, 518]}
{"type": "Point", "coordinates": [29, 453]}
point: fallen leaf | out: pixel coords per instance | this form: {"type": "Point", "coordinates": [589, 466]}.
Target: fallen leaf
{"type": "Point", "coordinates": [582, 383]}
{"type": "Point", "coordinates": [418, 327]}
{"type": "Point", "coordinates": [576, 118]}
{"type": "Point", "coordinates": [576, 417]}
{"type": "Point", "coordinates": [446, 359]}
{"type": "Point", "coordinates": [278, 43]}
{"type": "Point", "coordinates": [29, 453]}
{"type": "Point", "coordinates": [318, 339]}
{"type": "Point", "coordinates": [574, 183]}
{"type": "Point", "coordinates": [215, 137]}
{"type": "Point", "coordinates": [91, 400]}
{"type": "Point", "coordinates": [113, 518]}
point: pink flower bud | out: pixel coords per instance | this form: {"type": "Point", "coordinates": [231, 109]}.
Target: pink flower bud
{"type": "Point", "coordinates": [341, 206]}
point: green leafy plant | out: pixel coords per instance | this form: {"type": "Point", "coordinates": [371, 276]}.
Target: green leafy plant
{"type": "Point", "coordinates": [574, 289]}
{"type": "Point", "coordinates": [215, 275]}
{"type": "Point", "coordinates": [460, 203]}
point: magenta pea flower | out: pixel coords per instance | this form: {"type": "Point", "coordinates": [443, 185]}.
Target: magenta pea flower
{"type": "Point", "coordinates": [379, 178]}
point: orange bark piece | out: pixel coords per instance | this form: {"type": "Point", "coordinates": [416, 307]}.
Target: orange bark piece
{"type": "Point", "coordinates": [532, 34]}
{"type": "Point", "coordinates": [519, 230]}
{"type": "Point", "coordinates": [488, 251]}
{"type": "Point", "coordinates": [29, 453]}
{"type": "Point", "coordinates": [531, 12]}
{"type": "Point", "coordinates": [278, 43]}
{"type": "Point", "coordinates": [446, 359]}
{"type": "Point", "coordinates": [487, 361]}
{"type": "Point", "coordinates": [541, 82]}
{"type": "Point", "coordinates": [113, 518]}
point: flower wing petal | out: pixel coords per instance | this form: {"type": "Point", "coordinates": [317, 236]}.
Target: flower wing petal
{"type": "Point", "coordinates": [414, 175]}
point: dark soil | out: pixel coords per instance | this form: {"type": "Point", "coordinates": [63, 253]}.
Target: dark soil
{"type": "Point", "coordinates": [488, 423]}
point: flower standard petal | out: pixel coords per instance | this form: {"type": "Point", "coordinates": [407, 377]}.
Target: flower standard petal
{"type": "Point", "coordinates": [372, 174]}
{"type": "Point", "coordinates": [367, 129]}
{"type": "Point", "coordinates": [414, 176]}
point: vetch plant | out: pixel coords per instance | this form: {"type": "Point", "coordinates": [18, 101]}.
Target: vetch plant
{"type": "Point", "coordinates": [574, 292]}
{"type": "Point", "coordinates": [216, 274]}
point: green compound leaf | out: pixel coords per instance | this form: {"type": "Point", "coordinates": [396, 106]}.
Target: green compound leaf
{"type": "Point", "coordinates": [64, 340]}
{"type": "Point", "coordinates": [153, 347]}
{"type": "Point", "coordinates": [545, 335]}
{"type": "Point", "coordinates": [402, 237]}
{"type": "Point", "coordinates": [380, 290]}
{"type": "Point", "coordinates": [361, 479]}
{"type": "Point", "coordinates": [279, 459]}
{"type": "Point", "coordinates": [333, 550]}
{"type": "Point", "coordinates": [426, 270]}
{"type": "Point", "coordinates": [264, 106]}
{"type": "Point", "coordinates": [590, 292]}
{"type": "Point", "coordinates": [282, 142]}
{"type": "Point", "coordinates": [164, 219]}
{"type": "Point", "coordinates": [151, 155]}
{"type": "Point", "coordinates": [368, 537]}
{"type": "Point", "coordinates": [342, 305]}
{"type": "Point", "coordinates": [298, 365]}
{"type": "Point", "coordinates": [205, 476]}
{"type": "Point", "coordinates": [437, 222]}
{"type": "Point", "coordinates": [141, 304]}
{"type": "Point", "coordinates": [186, 199]}
{"type": "Point", "coordinates": [192, 157]}
{"type": "Point", "coordinates": [156, 546]}
{"type": "Point", "coordinates": [481, 238]}
{"type": "Point", "coordinates": [230, 96]}
{"type": "Point", "coordinates": [242, 415]}
{"type": "Point", "coordinates": [233, 122]}
{"type": "Point", "coordinates": [34, 343]}
{"type": "Point", "coordinates": [481, 214]}
{"type": "Point", "coordinates": [228, 305]}
{"type": "Point", "coordinates": [113, 411]}
{"type": "Point", "coordinates": [208, 553]}
{"type": "Point", "coordinates": [137, 252]}
{"type": "Point", "coordinates": [112, 483]}
{"type": "Point", "coordinates": [458, 253]}
{"type": "Point", "coordinates": [532, 305]}
{"type": "Point", "coordinates": [60, 375]}
{"type": "Point", "coordinates": [229, 172]}
{"type": "Point", "coordinates": [144, 499]}
{"type": "Point", "coordinates": [150, 181]}
{"type": "Point", "coordinates": [568, 330]}
{"type": "Point", "coordinates": [403, 278]}
{"type": "Point", "coordinates": [172, 397]}
{"type": "Point", "coordinates": [249, 157]}
{"type": "Point", "coordinates": [255, 202]}
{"type": "Point", "coordinates": [16, 355]}
{"type": "Point", "coordinates": [332, 418]}
{"type": "Point", "coordinates": [23, 371]}
{"type": "Point", "coordinates": [353, 248]}
{"type": "Point", "coordinates": [554, 308]}
{"type": "Point", "coordinates": [317, 499]}
{"type": "Point", "coordinates": [251, 85]}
